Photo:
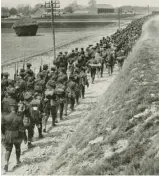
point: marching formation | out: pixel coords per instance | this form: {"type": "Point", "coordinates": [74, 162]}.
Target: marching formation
{"type": "Point", "coordinates": [29, 100]}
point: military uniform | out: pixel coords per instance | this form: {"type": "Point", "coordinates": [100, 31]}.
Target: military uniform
{"type": "Point", "coordinates": [92, 69]}
{"type": "Point", "coordinates": [50, 103]}
{"type": "Point", "coordinates": [36, 113]}
{"type": "Point", "coordinates": [4, 84]}
{"type": "Point", "coordinates": [110, 63]}
{"type": "Point", "coordinates": [27, 120]}
{"type": "Point", "coordinates": [78, 88]}
{"type": "Point", "coordinates": [40, 84]}
{"type": "Point", "coordinates": [29, 72]}
{"type": "Point", "coordinates": [83, 81]}
{"type": "Point", "coordinates": [13, 131]}
{"type": "Point", "coordinates": [11, 98]}
{"type": "Point", "coordinates": [45, 73]}
{"type": "Point", "coordinates": [61, 92]}
{"type": "Point", "coordinates": [71, 89]}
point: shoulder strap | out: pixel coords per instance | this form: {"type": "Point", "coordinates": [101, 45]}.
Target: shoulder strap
{"type": "Point", "coordinates": [12, 123]}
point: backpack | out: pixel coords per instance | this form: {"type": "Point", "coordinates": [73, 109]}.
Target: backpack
{"type": "Point", "coordinates": [38, 88]}
{"type": "Point", "coordinates": [34, 110]}
{"type": "Point", "coordinates": [49, 93]}
{"type": "Point", "coordinates": [60, 89]}
{"type": "Point", "coordinates": [27, 95]}
{"type": "Point", "coordinates": [26, 122]}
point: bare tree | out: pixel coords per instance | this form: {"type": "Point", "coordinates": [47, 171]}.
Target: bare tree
{"type": "Point", "coordinates": [4, 10]}
{"type": "Point", "coordinates": [92, 3]}
{"type": "Point", "coordinates": [24, 9]}
{"type": "Point", "coordinates": [13, 11]}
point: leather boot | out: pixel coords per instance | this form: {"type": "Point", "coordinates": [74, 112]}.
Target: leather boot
{"type": "Point", "coordinates": [30, 145]}
{"type": "Point", "coordinates": [40, 133]}
{"type": "Point", "coordinates": [7, 157]}
{"type": "Point", "coordinates": [18, 157]}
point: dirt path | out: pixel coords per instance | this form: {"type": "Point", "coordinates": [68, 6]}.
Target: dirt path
{"type": "Point", "coordinates": [38, 160]}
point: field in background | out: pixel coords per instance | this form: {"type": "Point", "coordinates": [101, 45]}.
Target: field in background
{"type": "Point", "coordinates": [75, 20]}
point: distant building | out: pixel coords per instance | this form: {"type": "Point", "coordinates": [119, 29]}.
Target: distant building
{"type": "Point", "coordinates": [102, 9]}
{"type": "Point", "coordinates": [155, 12]}
{"type": "Point", "coordinates": [4, 14]}
{"type": "Point", "coordinates": [41, 12]}
{"type": "Point", "coordinates": [81, 12]}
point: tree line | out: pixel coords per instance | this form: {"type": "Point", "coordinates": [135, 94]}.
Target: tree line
{"type": "Point", "coordinates": [75, 6]}
{"type": "Point", "coordinates": [20, 9]}
{"type": "Point", "coordinates": [27, 9]}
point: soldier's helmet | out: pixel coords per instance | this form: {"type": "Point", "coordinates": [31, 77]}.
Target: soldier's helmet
{"type": "Point", "coordinates": [11, 91]}
{"type": "Point", "coordinates": [51, 84]}
{"type": "Point", "coordinates": [71, 77]}
{"type": "Point", "coordinates": [29, 72]}
{"type": "Point", "coordinates": [53, 68]}
{"type": "Point", "coordinates": [62, 79]}
{"type": "Point", "coordinates": [5, 74]}
{"type": "Point", "coordinates": [22, 70]}
{"type": "Point", "coordinates": [11, 82]}
{"type": "Point", "coordinates": [41, 75]}
{"type": "Point", "coordinates": [45, 67]}
{"type": "Point", "coordinates": [63, 70]}
{"type": "Point", "coordinates": [22, 74]}
{"type": "Point", "coordinates": [29, 65]}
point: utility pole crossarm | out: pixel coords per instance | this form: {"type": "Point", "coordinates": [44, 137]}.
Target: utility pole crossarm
{"type": "Point", "coordinates": [53, 6]}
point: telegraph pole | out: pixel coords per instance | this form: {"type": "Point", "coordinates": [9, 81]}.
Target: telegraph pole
{"type": "Point", "coordinates": [53, 5]}
{"type": "Point", "coordinates": [148, 8]}
{"type": "Point", "coordinates": [119, 12]}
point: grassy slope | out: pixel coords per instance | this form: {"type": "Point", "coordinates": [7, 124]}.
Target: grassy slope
{"type": "Point", "coordinates": [127, 118]}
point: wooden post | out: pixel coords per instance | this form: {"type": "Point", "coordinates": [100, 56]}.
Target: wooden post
{"type": "Point", "coordinates": [15, 71]}
{"type": "Point", "coordinates": [23, 63]}
{"type": "Point", "coordinates": [53, 27]}
{"type": "Point", "coordinates": [119, 11]}
{"type": "Point", "coordinates": [17, 68]}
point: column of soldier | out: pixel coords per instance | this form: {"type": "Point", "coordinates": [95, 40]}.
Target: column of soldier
{"type": "Point", "coordinates": [30, 99]}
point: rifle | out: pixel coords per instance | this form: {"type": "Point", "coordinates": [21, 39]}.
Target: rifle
{"type": "Point", "coordinates": [15, 71]}
{"type": "Point", "coordinates": [40, 70]}
{"type": "Point", "coordinates": [23, 63]}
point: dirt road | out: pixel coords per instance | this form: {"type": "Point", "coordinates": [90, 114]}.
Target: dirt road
{"type": "Point", "coordinates": [38, 160]}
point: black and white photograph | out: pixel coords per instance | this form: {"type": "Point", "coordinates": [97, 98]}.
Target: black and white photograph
{"type": "Point", "coordinates": [79, 87]}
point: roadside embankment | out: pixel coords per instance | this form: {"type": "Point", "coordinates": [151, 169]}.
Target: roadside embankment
{"type": "Point", "coordinates": [121, 135]}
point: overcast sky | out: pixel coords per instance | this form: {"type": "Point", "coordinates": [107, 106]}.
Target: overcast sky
{"type": "Point", "coordinates": [64, 3]}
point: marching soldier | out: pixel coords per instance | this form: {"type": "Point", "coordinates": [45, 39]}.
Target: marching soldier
{"type": "Point", "coordinates": [13, 132]}
{"type": "Point", "coordinates": [27, 120]}
{"type": "Point", "coordinates": [110, 63]}
{"type": "Point", "coordinates": [45, 72]}
{"type": "Point", "coordinates": [60, 92]}
{"type": "Point", "coordinates": [36, 112]}
{"type": "Point", "coordinates": [5, 80]}
{"type": "Point", "coordinates": [50, 103]}
{"type": "Point", "coordinates": [83, 81]}
{"type": "Point", "coordinates": [92, 68]}
{"type": "Point", "coordinates": [29, 72]}
{"type": "Point", "coordinates": [71, 89]}
{"type": "Point", "coordinates": [39, 86]}
{"type": "Point", "coordinates": [53, 74]}
{"type": "Point", "coordinates": [77, 80]}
